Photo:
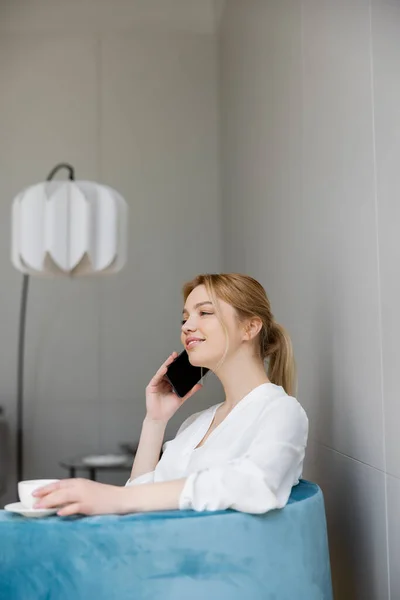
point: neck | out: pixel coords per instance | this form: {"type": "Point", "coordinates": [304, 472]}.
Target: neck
{"type": "Point", "coordinates": [239, 375]}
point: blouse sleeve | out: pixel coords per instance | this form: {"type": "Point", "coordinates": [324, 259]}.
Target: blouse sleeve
{"type": "Point", "coordinates": [149, 477]}
{"type": "Point", "coordinates": [262, 479]}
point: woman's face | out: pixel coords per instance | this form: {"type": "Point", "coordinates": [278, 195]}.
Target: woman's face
{"type": "Point", "coordinates": [202, 334]}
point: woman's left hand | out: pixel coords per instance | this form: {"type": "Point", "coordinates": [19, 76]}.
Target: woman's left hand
{"type": "Point", "coordinates": [81, 496]}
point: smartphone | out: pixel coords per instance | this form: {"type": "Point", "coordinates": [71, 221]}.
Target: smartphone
{"type": "Point", "coordinates": [183, 376]}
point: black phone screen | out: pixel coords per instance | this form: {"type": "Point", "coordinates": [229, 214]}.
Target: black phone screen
{"type": "Point", "coordinates": [183, 376]}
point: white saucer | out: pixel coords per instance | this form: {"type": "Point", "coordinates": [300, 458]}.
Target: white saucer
{"type": "Point", "coordinates": [105, 460]}
{"type": "Point", "coordinates": [17, 507]}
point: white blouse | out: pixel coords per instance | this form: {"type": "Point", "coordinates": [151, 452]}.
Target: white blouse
{"type": "Point", "coordinates": [249, 462]}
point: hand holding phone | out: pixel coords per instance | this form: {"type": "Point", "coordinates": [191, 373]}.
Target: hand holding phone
{"type": "Point", "coordinates": [162, 401]}
{"type": "Point", "coordinates": [183, 376]}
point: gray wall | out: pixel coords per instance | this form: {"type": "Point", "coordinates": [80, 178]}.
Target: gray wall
{"type": "Point", "coordinates": [130, 99]}
{"type": "Point", "coordinates": [310, 144]}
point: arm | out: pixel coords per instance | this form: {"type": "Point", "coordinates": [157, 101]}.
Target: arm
{"type": "Point", "coordinates": [148, 452]}
{"type": "Point", "coordinates": [262, 479]}
{"type": "Point", "coordinates": [259, 481]}
{"type": "Point", "coordinates": [151, 496]}
{"type": "Point", "coordinates": [161, 405]}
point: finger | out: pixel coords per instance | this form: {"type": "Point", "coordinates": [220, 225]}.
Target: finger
{"type": "Point", "coordinates": [55, 499]}
{"type": "Point", "coordinates": [195, 389]}
{"type": "Point", "coordinates": [47, 489]}
{"type": "Point", "coordinates": [70, 509]}
{"type": "Point", "coordinates": [57, 485]}
{"type": "Point", "coordinates": [169, 360]}
{"type": "Point", "coordinates": [163, 369]}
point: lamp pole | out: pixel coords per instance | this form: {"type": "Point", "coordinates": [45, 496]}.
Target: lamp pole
{"type": "Point", "coordinates": [21, 348]}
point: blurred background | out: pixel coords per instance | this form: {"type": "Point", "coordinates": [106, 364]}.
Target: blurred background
{"type": "Point", "coordinates": [258, 136]}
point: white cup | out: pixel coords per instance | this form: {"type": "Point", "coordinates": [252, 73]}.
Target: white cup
{"type": "Point", "coordinates": [26, 489]}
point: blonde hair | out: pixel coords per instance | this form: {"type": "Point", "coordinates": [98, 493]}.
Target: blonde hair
{"type": "Point", "coordinates": [248, 297]}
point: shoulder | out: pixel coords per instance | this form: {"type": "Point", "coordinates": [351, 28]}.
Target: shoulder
{"type": "Point", "coordinates": [276, 399]}
{"type": "Point", "coordinates": [278, 409]}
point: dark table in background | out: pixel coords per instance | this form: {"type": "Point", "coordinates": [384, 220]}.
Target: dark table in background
{"type": "Point", "coordinates": [76, 464]}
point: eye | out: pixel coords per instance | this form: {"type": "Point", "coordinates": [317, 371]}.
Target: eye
{"type": "Point", "coordinates": [202, 313]}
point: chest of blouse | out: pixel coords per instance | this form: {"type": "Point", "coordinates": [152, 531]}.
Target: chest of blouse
{"type": "Point", "coordinates": [231, 439]}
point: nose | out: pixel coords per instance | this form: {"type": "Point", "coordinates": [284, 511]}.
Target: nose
{"type": "Point", "coordinates": [188, 325]}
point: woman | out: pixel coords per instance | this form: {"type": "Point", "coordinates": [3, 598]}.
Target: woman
{"type": "Point", "coordinates": [245, 453]}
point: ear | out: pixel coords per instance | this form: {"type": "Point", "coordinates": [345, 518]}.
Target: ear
{"type": "Point", "coordinates": [252, 328]}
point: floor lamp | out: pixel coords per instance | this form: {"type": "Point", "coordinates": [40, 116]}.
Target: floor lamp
{"type": "Point", "coordinates": [63, 228]}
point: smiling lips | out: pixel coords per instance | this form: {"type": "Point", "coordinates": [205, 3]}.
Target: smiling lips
{"type": "Point", "coordinates": [191, 342]}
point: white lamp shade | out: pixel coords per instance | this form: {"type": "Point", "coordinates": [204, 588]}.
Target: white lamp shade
{"type": "Point", "coordinates": [69, 228]}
